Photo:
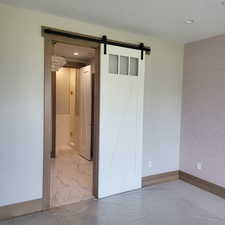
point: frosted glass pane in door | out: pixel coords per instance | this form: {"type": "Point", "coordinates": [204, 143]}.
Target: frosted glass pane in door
{"type": "Point", "coordinates": [113, 64]}
{"type": "Point", "coordinates": [134, 66]}
{"type": "Point", "coordinates": [124, 65]}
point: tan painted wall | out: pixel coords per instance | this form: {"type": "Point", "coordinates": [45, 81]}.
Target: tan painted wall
{"type": "Point", "coordinates": [65, 107]}
{"type": "Point", "coordinates": [203, 110]}
{"type": "Point", "coordinates": [63, 91]}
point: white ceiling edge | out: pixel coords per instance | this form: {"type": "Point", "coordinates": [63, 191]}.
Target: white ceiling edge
{"type": "Point", "coordinates": [163, 20]}
{"type": "Point", "coordinates": [110, 27]}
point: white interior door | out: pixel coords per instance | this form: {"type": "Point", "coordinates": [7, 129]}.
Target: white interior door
{"type": "Point", "coordinates": [85, 92]}
{"type": "Point", "coordinates": [121, 118]}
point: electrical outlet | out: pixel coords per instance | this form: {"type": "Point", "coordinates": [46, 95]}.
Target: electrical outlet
{"type": "Point", "coordinates": [150, 164]}
{"type": "Point", "coordinates": [199, 165]}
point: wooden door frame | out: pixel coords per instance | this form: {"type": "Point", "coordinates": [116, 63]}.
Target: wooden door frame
{"type": "Point", "coordinates": [49, 41]}
{"type": "Point", "coordinates": [53, 151]}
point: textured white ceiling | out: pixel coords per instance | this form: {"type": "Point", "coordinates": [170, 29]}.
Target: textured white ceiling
{"type": "Point", "coordinates": [161, 18]}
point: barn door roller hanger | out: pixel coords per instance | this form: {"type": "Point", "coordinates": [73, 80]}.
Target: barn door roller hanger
{"type": "Point", "coordinates": [141, 46]}
{"type": "Point", "coordinates": [103, 40]}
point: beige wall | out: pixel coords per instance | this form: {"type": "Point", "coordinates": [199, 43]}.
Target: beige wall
{"type": "Point", "coordinates": [22, 91]}
{"type": "Point", "coordinates": [62, 132]}
{"type": "Point", "coordinates": [63, 91]}
{"type": "Point", "coordinates": [65, 107]}
{"type": "Point", "coordinates": [203, 110]}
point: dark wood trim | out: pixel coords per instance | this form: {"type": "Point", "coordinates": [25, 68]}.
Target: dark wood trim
{"type": "Point", "coordinates": [67, 40]}
{"type": "Point", "coordinates": [9, 211]}
{"type": "Point", "coordinates": [95, 122]}
{"type": "Point", "coordinates": [53, 152]}
{"type": "Point", "coordinates": [175, 175]}
{"type": "Point", "coordinates": [203, 184]}
{"type": "Point", "coordinates": [160, 178]}
{"type": "Point", "coordinates": [47, 121]}
{"type": "Point", "coordinates": [76, 65]}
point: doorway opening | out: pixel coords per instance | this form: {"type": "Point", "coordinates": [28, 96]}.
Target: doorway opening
{"type": "Point", "coordinates": [71, 171]}
{"type": "Point", "coordinates": [117, 152]}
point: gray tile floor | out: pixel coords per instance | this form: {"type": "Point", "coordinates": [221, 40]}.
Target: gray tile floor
{"type": "Point", "coordinates": [174, 203]}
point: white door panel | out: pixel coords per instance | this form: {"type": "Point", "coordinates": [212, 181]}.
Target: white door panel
{"type": "Point", "coordinates": [85, 112]}
{"type": "Point", "coordinates": [121, 109]}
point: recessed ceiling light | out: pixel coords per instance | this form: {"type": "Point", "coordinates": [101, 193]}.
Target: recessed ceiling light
{"type": "Point", "coordinates": [76, 53]}
{"type": "Point", "coordinates": [189, 21]}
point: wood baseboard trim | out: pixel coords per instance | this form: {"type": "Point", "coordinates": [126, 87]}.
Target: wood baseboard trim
{"type": "Point", "coordinates": [19, 209]}
{"type": "Point", "coordinates": [203, 184]}
{"type": "Point", "coordinates": [160, 178]}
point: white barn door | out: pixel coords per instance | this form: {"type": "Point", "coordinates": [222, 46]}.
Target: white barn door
{"type": "Point", "coordinates": [121, 120]}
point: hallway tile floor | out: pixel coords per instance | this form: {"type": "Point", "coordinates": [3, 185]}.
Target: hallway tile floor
{"type": "Point", "coordinates": [71, 178]}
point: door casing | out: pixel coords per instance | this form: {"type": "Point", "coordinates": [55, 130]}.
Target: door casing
{"type": "Point", "coordinates": [49, 41]}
